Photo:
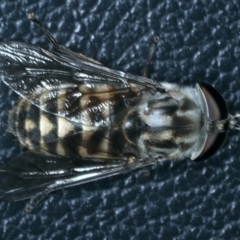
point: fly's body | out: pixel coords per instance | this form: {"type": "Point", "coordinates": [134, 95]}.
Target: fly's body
{"type": "Point", "coordinates": [112, 124]}
{"type": "Point", "coordinates": [82, 121]}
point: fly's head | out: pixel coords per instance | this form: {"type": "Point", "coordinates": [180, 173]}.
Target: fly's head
{"type": "Point", "coordinates": [217, 120]}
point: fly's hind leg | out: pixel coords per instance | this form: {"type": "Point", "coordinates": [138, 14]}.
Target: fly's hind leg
{"type": "Point", "coordinates": [34, 202]}
{"type": "Point", "coordinates": [150, 55]}
{"type": "Point", "coordinates": [55, 43]}
{"type": "Point", "coordinates": [50, 37]}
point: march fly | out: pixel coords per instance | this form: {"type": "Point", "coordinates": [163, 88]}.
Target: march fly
{"type": "Point", "coordinates": [82, 121]}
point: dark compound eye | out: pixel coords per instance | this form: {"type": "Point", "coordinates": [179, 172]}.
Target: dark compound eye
{"type": "Point", "coordinates": [217, 110]}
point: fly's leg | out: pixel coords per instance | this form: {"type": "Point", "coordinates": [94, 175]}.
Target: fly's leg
{"type": "Point", "coordinates": [55, 43]}
{"type": "Point", "coordinates": [50, 37]}
{"type": "Point", "coordinates": [34, 202]}
{"type": "Point", "coordinates": [150, 55]}
{"type": "Point", "coordinates": [42, 194]}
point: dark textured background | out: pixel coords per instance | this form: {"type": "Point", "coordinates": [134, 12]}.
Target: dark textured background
{"type": "Point", "coordinates": [200, 40]}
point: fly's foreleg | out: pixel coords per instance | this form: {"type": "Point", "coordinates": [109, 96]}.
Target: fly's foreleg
{"type": "Point", "coordinates": [150, 55]}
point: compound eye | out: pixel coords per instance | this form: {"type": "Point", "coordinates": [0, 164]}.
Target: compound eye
{"type": "Point", "coordinates": [217, 110]}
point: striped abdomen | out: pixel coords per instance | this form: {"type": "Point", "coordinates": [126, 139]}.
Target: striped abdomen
{"type": "Point", "coordinates": [97, 133]}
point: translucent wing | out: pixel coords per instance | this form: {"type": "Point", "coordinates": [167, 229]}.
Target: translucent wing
{"type": "Point", "coordinates": [33, 173]}
{"type": "Point", "coordinates": [33, 72]}
{"type": "Point", "coordinates": [37, 174]}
